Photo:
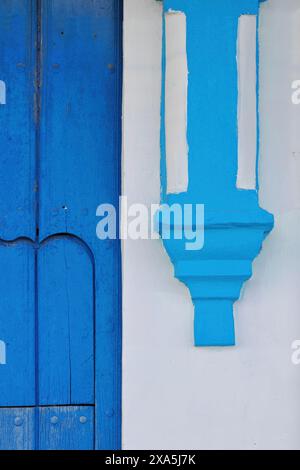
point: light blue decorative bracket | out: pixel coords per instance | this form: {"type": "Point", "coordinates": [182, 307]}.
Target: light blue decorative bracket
{"type": "Point", "coordinates": [209, 157]}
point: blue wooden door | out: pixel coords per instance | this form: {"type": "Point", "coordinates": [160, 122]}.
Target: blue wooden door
{"type": "Point", "coordinates": [60, 112]}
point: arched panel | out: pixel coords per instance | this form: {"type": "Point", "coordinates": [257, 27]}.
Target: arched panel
{"type": "Point", "coordinates": [65, 323]}
{"type": "Point", "coordinates": [17, 324]}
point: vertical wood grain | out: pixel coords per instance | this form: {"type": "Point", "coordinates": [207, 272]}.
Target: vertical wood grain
{"type": "Point", "coordinates": [247, 101]}
{"type": "Point", "coordinates": [66, 323]}
{"type": "Point", "coordinates": [17, 429]}
{"type": "Point", "coordinates": [17, 376]}
{"type": "Point", "coordinates": [176, 98]}
{"type": "Point", "coordinates": [60, 159]}
{"type": "Point", "coordinates": [17, 141]}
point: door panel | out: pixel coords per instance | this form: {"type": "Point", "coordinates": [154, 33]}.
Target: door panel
{"type": "Point", "coordinates": [17, 324]}
{"type": "Point", "coordinates": [17, 143]}
{"type": "Point", "coordinates": [66, 323]}
{"type": "Point", "coordinates": [66, 428]}
{"type": "Point", "coordinates": [17, 427]}
{"type": "Point", "coordinates": [60, 321]}
{"type": "Point", "coordinates": [78, 127]}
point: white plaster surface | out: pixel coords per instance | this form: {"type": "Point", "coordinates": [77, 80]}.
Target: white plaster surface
{"type": "Point", "coordinates": [176, 396]}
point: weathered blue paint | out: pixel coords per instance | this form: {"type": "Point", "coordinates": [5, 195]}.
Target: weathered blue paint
{"type": "Point", "coordinates": [17, 143]}
{"type": "Point", "coordinates": [80, 144]}
{"type": "Point", "coordinates": [17, 376]}
{"type": "Point", "coordinates": [59, 159]}
{"type": "Point", "coordinates": [66, 428]}
{"type": "Point", "coordinates": [235, 225]}
{"type": "Point", "coordinates": [82, 121]}
{"type": "Point", "coordinates": [2, 92]}
{"type": "Point", "coordinates": [17, 428]}
{"type": "Point", "coordinates": [66, 323]}
{"type": "Point", "coordinates": [55, 428]}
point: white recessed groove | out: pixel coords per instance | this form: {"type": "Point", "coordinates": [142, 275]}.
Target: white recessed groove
{"type": "Point", "coordinates": [247, 101]}
{"type": "Point", "coordinates": [176, 93]}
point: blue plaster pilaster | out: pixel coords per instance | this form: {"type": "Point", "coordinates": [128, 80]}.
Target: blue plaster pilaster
{"type": "Point", "coordinates": [235, 225]}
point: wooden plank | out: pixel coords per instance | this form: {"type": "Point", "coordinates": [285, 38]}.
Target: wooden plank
{"type": "Point", "coordinates": [17, 429]}
{"type": "Point", "coordinates": [66, 323]}
{"type": "Point", "coordinates": [17, 143]}
{"type": "Point", "coordinates": [78, 120]}
{"type": "Point", "coordinates": [80, 144]}
{"type": "Point", "coordinates": [17, 324]}
{"type": "Point", "coordinates": [66, 428]}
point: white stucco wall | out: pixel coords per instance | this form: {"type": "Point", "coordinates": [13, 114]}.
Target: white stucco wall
{"type": "Point", "coordinates": [174, 395]}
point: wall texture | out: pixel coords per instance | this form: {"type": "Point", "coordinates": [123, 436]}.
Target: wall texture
{"type": "Point", "coordinates": [174, 395]}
